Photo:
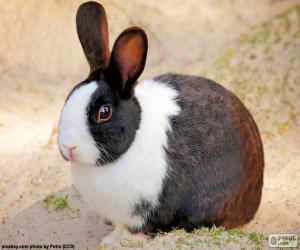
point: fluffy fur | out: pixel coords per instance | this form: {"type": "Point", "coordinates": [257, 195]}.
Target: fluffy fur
{"type": "Point", "coordinates": [176, 151]}
{"type": "Point", "coordinates": [216, 160]}
{"type": "Point", "coordinates": [72, 126]}
{"type": "Point", "coordinates": [114, 189]}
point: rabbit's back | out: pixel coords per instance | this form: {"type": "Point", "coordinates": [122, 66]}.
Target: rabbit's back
{"type": "Point", "coordinates": [215, 159]}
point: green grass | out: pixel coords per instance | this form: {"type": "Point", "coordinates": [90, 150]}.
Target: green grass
{"type": "Point", "coordinates": [201, 238]}
{"type": "Point", "coordinates": [261, 36]}
{"type": "Point", "coordinates": [48, 200]}
{"type": "Point", "coordinates": [236, 232]}
{"type": "Point", "coordinates": [131, 243]}
{"type": "Point", "coordinates": [217, 237]}
{"type": "Point", "coordinates": [61, 202]}
{"type": "Point", "coordinates": [58, 203]}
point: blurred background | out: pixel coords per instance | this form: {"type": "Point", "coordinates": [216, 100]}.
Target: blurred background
{"type": "Point", "coordinates": [250, 47]}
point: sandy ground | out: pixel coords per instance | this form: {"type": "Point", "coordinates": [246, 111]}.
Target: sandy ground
{"type": "Point", "coordinates": [249, 47]}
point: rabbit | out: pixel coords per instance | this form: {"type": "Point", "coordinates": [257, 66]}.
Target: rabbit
{"type": "Point", "coordinates": [174, 151]}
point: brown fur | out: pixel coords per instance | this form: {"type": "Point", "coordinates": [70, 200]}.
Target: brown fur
{"type": "Point", "coordinates": [242, 206]}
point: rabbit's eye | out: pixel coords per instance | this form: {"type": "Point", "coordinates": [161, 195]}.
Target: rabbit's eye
{"type": "Point", "coordinates": [104, 113]}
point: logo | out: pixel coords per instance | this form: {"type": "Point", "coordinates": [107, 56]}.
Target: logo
{"type": "Point", "coordinates": [283, 240]}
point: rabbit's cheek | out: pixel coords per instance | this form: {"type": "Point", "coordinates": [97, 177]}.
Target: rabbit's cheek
{"type": "Point", "coordinates": [73, 130]}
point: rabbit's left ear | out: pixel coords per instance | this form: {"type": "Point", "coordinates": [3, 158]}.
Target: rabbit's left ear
{"type": "Point", "coordinates": [128, 59]}
{"type": "Point", "coordinates": [92, 30]}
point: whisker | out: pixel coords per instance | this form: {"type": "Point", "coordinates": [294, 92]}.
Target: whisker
{"type": "Point", "coordinates": [104, 153]}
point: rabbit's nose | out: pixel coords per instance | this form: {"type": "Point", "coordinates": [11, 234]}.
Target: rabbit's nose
{"type": "Point", "coordinates": [71, 151]}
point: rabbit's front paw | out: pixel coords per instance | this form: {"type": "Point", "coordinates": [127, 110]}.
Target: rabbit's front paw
{"type": "Point", "coordinates": [114, 236]}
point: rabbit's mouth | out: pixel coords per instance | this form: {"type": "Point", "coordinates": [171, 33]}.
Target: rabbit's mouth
{"type": "Point", "coordinates": [72, 153]}
{"type": "Point", "coordinates": [66, 158]}
{"type": "Point", "coordinates": [64, 155]}
{"type": "Point", "coordinates": [75, 154]}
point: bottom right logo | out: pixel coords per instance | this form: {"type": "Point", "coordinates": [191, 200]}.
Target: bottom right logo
{"type": "Point", "coordinates": [283, 240]}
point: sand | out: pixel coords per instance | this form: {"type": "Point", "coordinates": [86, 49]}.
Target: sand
{"type": "Point", "coordinates": [41, 60]}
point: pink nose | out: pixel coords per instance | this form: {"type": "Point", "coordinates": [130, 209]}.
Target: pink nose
{"type": "Point", "coordinates": [71, 153]}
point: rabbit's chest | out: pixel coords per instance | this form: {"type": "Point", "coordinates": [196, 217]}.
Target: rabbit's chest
{"type": "Point", "coordinates": [115, 194]}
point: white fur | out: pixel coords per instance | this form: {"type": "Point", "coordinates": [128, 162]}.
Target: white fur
{"type": "Point", "coordinates": [113, 190]}
{"type": "Point", "coordinates": [72, 126]}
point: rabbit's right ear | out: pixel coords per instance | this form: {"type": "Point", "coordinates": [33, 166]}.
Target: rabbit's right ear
{"type": "Point", "coordinates": [92, 30]}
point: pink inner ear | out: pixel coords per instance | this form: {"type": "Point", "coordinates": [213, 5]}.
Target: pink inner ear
{"type": "Point", "coordinates": [129, 55]}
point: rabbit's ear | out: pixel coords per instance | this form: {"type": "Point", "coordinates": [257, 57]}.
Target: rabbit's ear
{"type": "Point", "coordinates": [92, 30]}
{"type": "Point", "coordinates": [128, 59]}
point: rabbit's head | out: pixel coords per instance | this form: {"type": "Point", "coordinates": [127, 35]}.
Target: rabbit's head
{"type": "Point", "coordinates": [100, 117]}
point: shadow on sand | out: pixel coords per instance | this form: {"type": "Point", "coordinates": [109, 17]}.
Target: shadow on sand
{"type": "Point", "coordinates": [38, 225]}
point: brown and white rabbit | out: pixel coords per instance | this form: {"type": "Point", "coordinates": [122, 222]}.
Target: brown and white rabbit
{"type": "Point", "coordinates": [172, 151]}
